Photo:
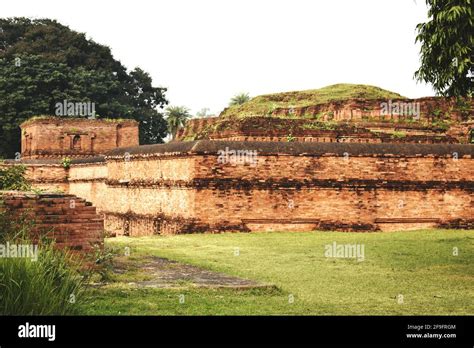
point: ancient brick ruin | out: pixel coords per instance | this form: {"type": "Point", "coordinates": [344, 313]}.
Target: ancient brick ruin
{"type": "Point", "coordinates": [48, 137]}
{"type": "Point", "coordinates": [184, 187]}
{"type": "Point", "coordinates": [280, 172]}
{"type": "Point", "coordinates": [440, 120]}
{"type": "Point", "coordinates": [69, 220]}
{"type": "Point", "coordinates": [292, 186]}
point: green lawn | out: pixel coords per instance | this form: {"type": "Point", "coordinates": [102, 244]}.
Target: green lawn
{"type": "Point", "coordinates": [418, 265]}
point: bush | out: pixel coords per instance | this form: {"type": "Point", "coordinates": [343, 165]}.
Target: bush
{"type": "Point", "coordinates": [48, 286]}
{"type": "Point", "coordinates": [51, 285]}
{"type": "Point", "coordinates": [13, 178]}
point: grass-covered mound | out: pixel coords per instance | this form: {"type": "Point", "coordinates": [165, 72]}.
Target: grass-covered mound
{"type": "Point", "coordinates": [266, 104]}
{"type": "Point", "coordinates": [341, 112]}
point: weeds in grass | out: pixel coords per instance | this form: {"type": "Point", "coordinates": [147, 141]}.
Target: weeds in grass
{"type": "Point", "coordinates": [51, 285]}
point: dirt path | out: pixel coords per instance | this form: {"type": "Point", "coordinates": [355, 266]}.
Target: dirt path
{"type": "Point", "coordinates": [164, 273]}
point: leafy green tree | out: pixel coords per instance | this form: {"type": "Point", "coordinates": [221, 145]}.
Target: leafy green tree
{"type": "Point", "coordinates": [176, 116]}
{"type": "Point", "coordinates": [447, 41]}
{"type": "Point", "coordinates": [147, 99]}
{"type": "Point", "coordinates": [43, 62]}
{"type": "Point", "coordinates": [239, 99]}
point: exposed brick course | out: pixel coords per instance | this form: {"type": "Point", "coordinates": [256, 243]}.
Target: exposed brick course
{"type": "Point", "coordinates": [70, 220]}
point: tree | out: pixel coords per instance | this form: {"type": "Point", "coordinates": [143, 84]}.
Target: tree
{"type": "Point", "coordinates": [447, 41]}
{"type": "Point", "coordinates": [202, 113]}
{"type": "Point", "coordinates": [43, 62]}
{"type": "Point", "coordinates": [176, 116]}
{"type": "Point", "coordinates": [239, 99]}
{"type": "Point", "coordinates": [147, 99]}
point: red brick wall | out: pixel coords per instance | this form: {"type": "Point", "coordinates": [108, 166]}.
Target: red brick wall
{"type": "Point", "coordinates": [360, 109]}
{"type": "Point", "coordinates": [183, 188]}
{"type": "Point", "coordinates": [358, 120]}
{"type": "Point", "coordinates": [70, 220]}
{"type": "Point", "coordinates": [283, 191]}
{"type": "Point", "coordinates": [337, 208]}
{"type": "Point", "coordinates": [340, 168]}
{"type": "Point", "coordinates": [53, 138]}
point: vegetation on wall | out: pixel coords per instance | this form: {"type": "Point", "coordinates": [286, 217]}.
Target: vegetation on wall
{"type": "Point", "coordinates": [13, 178]}
{"type": "Point", "coordinates": [66, 162]}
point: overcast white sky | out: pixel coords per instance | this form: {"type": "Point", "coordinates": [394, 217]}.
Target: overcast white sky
{"type": "Point", "coordinates": [205, 51]}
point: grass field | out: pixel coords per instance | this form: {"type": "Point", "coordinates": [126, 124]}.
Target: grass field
{"type": "Point", "coordinates": [403, 273]}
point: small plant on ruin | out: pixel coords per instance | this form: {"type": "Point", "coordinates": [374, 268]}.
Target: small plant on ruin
{"type": "Point", "coordinates": [398, 135]}
{"type": "Point", "coordinates": [290, 138]}
{"type": "Point", "coordinates": [437, 113]}
{"type": "Point", "coordinates": [37, 190]}
{"type": "Point", "coordinates": [271, 109]}
{"type": "Point", "coordinates": [318, 116]}
{"type": "Point", "coordinates": [464, 107]}
{"type": "Point", "coordinates": [441, 124]}
{"type": "Point", "coordinates": [66, 162]}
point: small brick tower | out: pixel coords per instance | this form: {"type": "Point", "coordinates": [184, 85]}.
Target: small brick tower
{"type": "Point", "coordinates": [56, 137]}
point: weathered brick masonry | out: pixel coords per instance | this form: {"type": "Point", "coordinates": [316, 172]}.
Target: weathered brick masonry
{"type": "Point", "coordinates": [54, 137]}
{"type": "Point", "coordinates": [70, 220]}
{"type": "Point", "coordinates": [185, 187]}
{"type": "Point", "coordinates": [343, 165]}
{"type": "Point", "coordinates": [440, 120]}
{"type": "Point", "coordinates": [182, 187]}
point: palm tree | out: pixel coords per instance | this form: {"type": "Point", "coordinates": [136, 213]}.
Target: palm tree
{"type": "Point", "coordinates": [239, 99]}
{"type": "Point", "coordinates": [176, 116]}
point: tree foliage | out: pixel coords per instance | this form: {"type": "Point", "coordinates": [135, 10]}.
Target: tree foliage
{"type": "Point", "coordinates": [13, 178]}
{"type": "Point", "coordinates": [43, 62]}
{"type": "Point", "coordinates": [176, 116]}
{"type": "Point", "coordinates": [239, 99]}
{"type": "Point", "coordinates": [447, 43]}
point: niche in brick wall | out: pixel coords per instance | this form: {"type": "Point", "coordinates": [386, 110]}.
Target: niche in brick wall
{"type": "Point", "coordinates": [76, 144]}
